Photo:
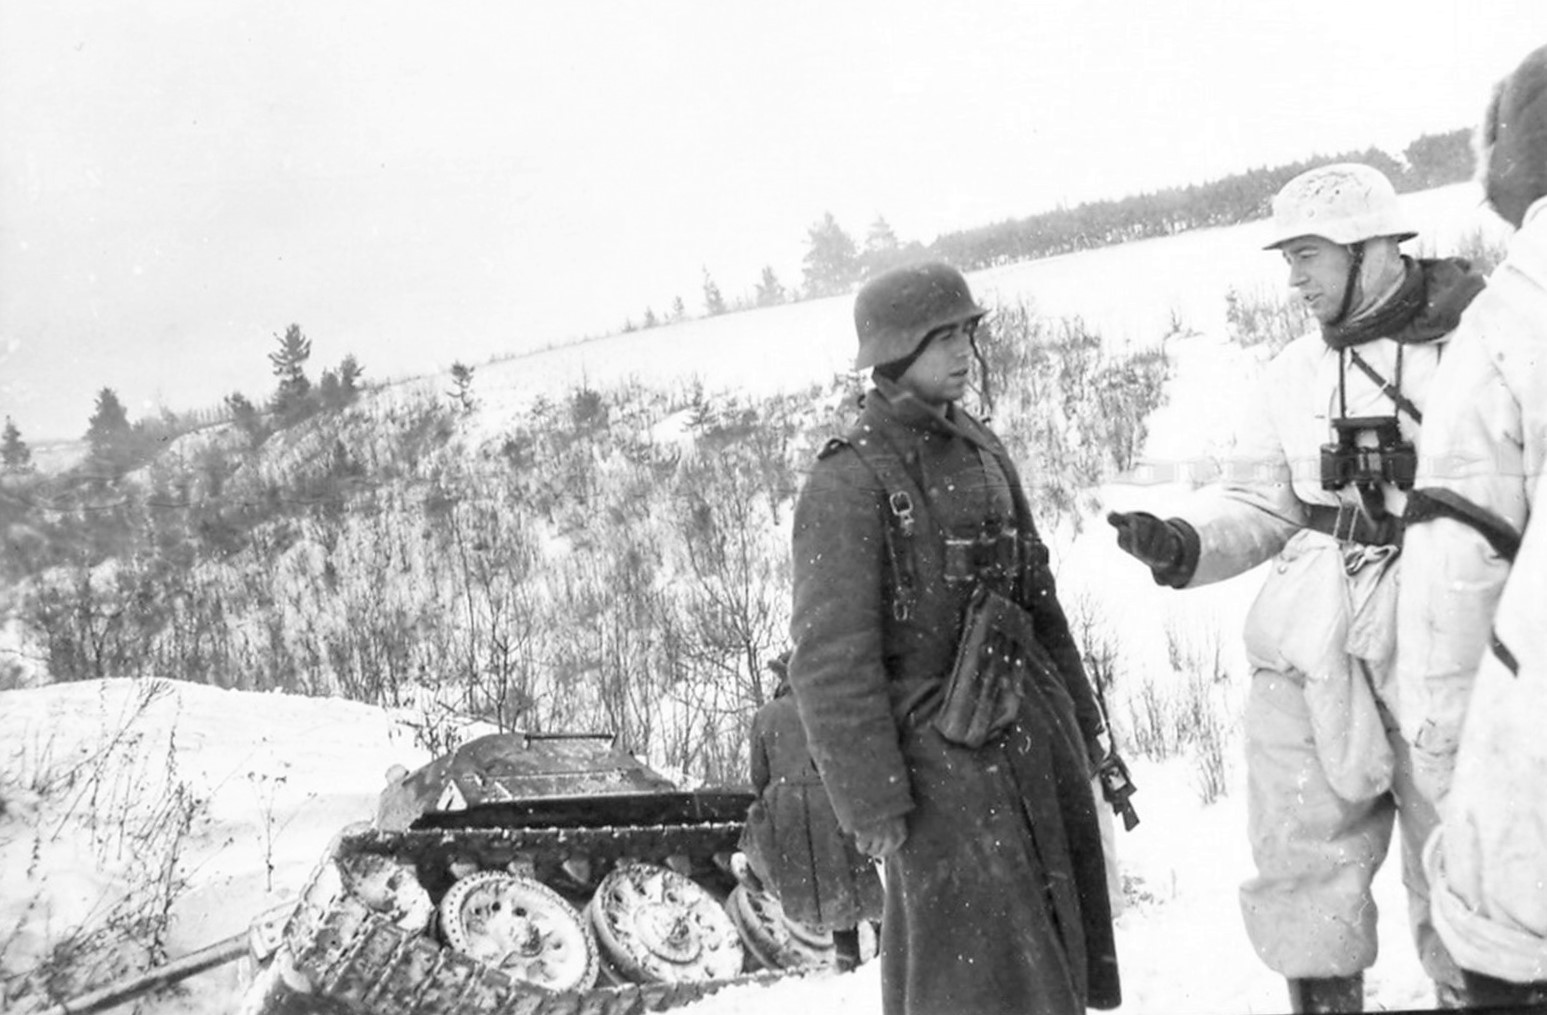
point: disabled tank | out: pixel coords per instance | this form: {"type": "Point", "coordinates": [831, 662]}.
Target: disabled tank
{"type": "Point", "coordinates": [530, 873]}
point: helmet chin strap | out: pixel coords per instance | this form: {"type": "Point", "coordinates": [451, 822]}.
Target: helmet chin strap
{"type": "Point", "coordinates": [1354, 265]}
{"type": "Point", "coordinates": [988, 397]}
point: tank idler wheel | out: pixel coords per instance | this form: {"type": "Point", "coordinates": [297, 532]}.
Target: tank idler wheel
{"type": "Point", "coordinates": [521, 927]}
{"type": "Point", "coordinates": [774, 940]}
{"type": "Point", "coordinates": [653, 925]}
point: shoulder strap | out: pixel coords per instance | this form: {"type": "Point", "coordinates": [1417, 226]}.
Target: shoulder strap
{"type": "Point", "coordinates": [1392, 391]}
{"type": "Point", "coordinates": [1035, 550]}
{"type": "Point", "coordinates": [1438, 502]}
{"type": "Point", "coordinates": [902, 496]}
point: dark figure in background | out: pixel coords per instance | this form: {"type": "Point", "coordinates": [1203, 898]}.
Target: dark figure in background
{"type": "Point", "coordinates": [996, 895]}
{"type": "Point", "coordinates": [793, 843]}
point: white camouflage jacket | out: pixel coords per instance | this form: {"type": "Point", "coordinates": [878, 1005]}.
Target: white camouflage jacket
{"type": "Point", "coordinates": [1486, 439]}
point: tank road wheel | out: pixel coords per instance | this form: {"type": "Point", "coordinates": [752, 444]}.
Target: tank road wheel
{"type": "Point", "coordinates": [776, 941]}
{"type": "Point", "coordinates": [521, 927]}
{"type": "Point", "coordinates": [388, 887]}
{"type": "Point", "coordinates": [655, 926]}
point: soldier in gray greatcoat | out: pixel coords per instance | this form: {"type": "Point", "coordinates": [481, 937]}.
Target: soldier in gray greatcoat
{"type": "Point", "coordinates": [996, 896]}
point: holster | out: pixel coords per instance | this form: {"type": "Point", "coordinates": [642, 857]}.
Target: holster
{"type": "Point", "coordinates": [988, 680]}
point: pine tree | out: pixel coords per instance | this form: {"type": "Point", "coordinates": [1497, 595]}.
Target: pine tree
{"type": "Point", "coordinates": [329, 390]}
{"type": "Point", "coordinates": [714, 302]}
{"type": "Point", "coordinates": [831, 265]}
{"type": "Point", "coordinates": [108, 433]}
{"type": "Point", "coordinates": [15, 456]}
{"type": "Point", "coordinates": [289, 365]}
{"type": "Point", "coordinates": [349, 373]}
{"type": "Point", "coordinates": [338, 388]}
{"type": "Point", "coordinates": [246, 417]}
{"type": "Point", "coordinates": [462, 378]}
{"type": "Point", "coordinates": [678, 309]}
{"type": "Point", "coordinates": [770, 291]}
{"type": "Point", "coordinates": [880, 238]}
{"type": "Point", "coordinates": [882, 250]}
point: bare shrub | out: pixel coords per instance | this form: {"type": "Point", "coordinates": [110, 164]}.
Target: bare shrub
{"type": "Point", "coordinates": [1068, 409]}
{"type": "Point", "coordinates": [1203, 720]}
{"type": "Point", "coordinates": [1210, 771]}
{"type": "Point", "coordinates": [1483, 249]}
{"type": "Point", "coordinates": [569, 573]}
{"type": "Point", "coordinates": [99, 799]}
{"type": "Point", "coordinates": [1270, 320]}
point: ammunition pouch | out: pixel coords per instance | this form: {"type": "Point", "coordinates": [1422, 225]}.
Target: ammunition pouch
{"type": "Point", "coordinates": [990, 676]}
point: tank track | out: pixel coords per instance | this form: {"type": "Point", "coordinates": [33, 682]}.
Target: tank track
{"type": "Point", "coordinates": [340, 957]}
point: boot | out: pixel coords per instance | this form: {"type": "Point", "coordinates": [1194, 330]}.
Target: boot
{"type": "Point", "coordinates": [1327, 994]}
{"type": "Point", "coordinates": [1484, 991]}
{"type": "Point", "coordinates": [846, 949]}
{"type": "Point", "coordinates": [1448, 997]}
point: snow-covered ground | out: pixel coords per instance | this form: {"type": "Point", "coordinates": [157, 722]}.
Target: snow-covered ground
{"type": "Point", "coordinates": [274, 777]}
{"type": "Point", "coordinates": [104, 785]}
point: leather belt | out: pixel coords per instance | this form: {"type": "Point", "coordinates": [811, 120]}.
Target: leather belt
{"type": "Point", "coordinates": [1347, 523]}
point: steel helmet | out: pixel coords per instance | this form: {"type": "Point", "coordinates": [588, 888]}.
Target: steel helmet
{"type": "Point", "coordinates": [896, 309]}
{"type": "Point", "coordinates": [1345, 202]}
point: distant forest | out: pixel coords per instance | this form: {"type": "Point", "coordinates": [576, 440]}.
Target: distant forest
{"type": "Point", "coordinates": [1431, 161]}
{"type": "Point", "coordinates": [835, 263]}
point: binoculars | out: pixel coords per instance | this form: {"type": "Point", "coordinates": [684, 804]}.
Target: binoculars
{"type": "Point", "coordinates": [1390, 459]}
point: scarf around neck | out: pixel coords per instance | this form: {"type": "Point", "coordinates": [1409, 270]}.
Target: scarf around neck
{"type": "Point", "coordinates": [1426, 306]}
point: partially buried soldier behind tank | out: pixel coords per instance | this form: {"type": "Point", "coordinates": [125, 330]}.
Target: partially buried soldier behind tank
{"type": "Point", "coordinates": [793, 843]}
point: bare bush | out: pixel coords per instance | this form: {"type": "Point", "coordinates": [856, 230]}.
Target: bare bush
{"type": "Point", "coordinates": [99, 799]}
{"type": "Point", "coordinates": [1210, 771]}
{"type": "Point", "coordinates": [1068, 409]}
{"type": "Point", "coordinates": [573, 572]}
{"type": "Point", "coordinates": [1270, 320]}
{"type": "Point", "coordinates": [1483, 249]}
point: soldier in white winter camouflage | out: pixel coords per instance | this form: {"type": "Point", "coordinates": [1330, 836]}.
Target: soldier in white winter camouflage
{"type": "Point", "coordinates": [1318, 483]}
{"type": "Point", "coordinates": [1472, 648]}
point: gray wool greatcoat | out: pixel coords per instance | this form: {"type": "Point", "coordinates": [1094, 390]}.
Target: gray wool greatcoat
{"type": "Point", "coordinates": [997, 902]}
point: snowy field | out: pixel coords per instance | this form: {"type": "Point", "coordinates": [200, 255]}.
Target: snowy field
{"type": "Point", "coordinates": [90, 771]}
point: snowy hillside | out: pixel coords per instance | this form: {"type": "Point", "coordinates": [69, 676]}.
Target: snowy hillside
{"type": "Point", "coordinates": [204, 806]}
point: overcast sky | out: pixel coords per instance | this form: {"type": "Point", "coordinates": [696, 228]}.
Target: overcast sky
{"type": "Point", "coordinates": [423, 183]}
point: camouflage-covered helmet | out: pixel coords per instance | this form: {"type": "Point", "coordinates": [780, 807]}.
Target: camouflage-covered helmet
{"type": "Point", "coordinates": [1345, 202]}
{"type": "Point", "coordinates": [896, 309]}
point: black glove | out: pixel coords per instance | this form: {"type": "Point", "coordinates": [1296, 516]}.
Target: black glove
{"type": "Point", "coordinates": [1170, 548]}
{"type": "Point", "coordinates": [1158, 544]}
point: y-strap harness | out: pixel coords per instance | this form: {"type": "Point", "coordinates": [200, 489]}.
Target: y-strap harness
{"type": "Point", "coordinates": [903, 494]}
{"type": "Point", "coordinates": [901, 523]}
{"type": "Point", "coordinates": [902, 526]}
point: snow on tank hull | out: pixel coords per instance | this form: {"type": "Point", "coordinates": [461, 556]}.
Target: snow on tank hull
{"type": "Point", "coordinates": [645, 867]}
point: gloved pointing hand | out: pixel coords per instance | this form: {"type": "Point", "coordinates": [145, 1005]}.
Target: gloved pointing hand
{"type": "Point", "coordinates": [1158, 544]}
